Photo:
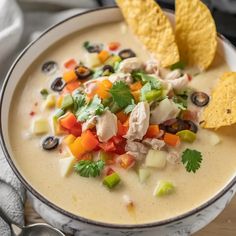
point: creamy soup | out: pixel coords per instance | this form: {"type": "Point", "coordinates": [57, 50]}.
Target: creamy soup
{"type": "Point", "coordinates": [87, 197]}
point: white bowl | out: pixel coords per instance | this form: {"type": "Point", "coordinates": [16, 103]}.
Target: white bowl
{"type": "Point", "coordinates": [185, 224]}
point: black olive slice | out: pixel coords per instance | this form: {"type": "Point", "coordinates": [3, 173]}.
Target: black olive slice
{"type": "Point", "coordinates": [83, 72]}
{"type": "Point", "coordinates": [176, 126]}
{"type": "Point", "coordinates": [126, 53]}
{"type": "Point", "coordinates": [50, 143]}
{"type": "Point", "coordinates": [200, 99]}
{"type": "Point", "coordinates": [58, 84]}
{"type": "Point", "coordinates": [49, 67]}
{"type": "Point", "coordinates": [95, 48]}
{"type": "Point", "coordinates": [192, 127]}
{"type": "Point", "coordinates": [107, 70]}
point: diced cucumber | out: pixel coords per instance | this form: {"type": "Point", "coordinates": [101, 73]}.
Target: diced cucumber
{"type": "Point", "coordinates": [67, 165]}
{"type": "Point", "coordinates": [113, 60]}
{"type": "Point", "coordinates": [67, 101]}
{"type": "Point", "coordinates": [92, 60]}
{"type": "Point", "coordinates": [163, 188]}
{"type": "Point", "coordinates": [156, 159]}
{"type": "Point", "coordinates": [111, 181]}
{"type": "Point", "coordinates": [40, 126]}
{"type": "Point", "coordinates": [153, 95]}
{"type": "Point", "coordinates": [187, 136]}
{"type": "Point", "coordinates": [144, 174]}
{"type": "Point", "coordinates": [50, 101]}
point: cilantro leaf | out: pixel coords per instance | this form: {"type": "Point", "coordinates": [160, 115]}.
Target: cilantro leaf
{"type": "Point", "coordinates": [192, 160]}
{"type": "Point", "coordinates": [79, 101]}
{"type": "Point", "coordinates": [179, 65]}
{"type": "Point", "coordinates": [121, 94]}
{"type": "Point", "coordinates": [154, 82]}
{"type": "Point", "coordinates": [130, 107]}
{"type": "Point", "coordinates": [87, 168]}
{"type": "Point", "coordinates": [95, 107]}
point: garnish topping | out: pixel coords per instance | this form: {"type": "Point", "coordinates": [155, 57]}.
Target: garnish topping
{"type": "Point", "coordinates": [192, 160]}
{"type": "Point", "coordinates": [87, 168]}
{"type": "Point", "coordinates": [44, 93]}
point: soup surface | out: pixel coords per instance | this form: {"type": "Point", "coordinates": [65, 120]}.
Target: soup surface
{"type": "Point", "coordinates": [86, 196]}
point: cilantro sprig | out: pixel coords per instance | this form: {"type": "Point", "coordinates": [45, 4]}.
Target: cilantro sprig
{"type": "Point", "coordinates": [192, 160]}
{"type": "Point", "coordinates": [121, 94]}
{"type": "Point", "coordinates": [87, 168]}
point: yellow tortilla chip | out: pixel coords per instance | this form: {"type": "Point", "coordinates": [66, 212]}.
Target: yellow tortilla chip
{"type": "Point", "coordinates": [152, 27]}
{"type": "Point", "coordinates": [221, 110]}
{"type": "Point", "coordinates": [196, 34]}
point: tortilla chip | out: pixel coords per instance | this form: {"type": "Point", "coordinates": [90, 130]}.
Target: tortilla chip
{"type": "Point", "coordinates": [221, 110]}
{"type": "Point", "coordinates": [196, 34]}
{"type": "Point", "coordinates": [152, 27]}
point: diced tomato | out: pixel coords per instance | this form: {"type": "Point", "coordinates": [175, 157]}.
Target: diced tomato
{"type": "Point", "coordinates": [70, 64]}
{"type": "Point", "coordinates": [117, 139]}
{"type": "Point", "coordinates": [76, 130]}
{"type": "Point", "coordinates": [68, 121]}
{"type": "Point", "coordinates": [113, 46]}
{"type": "Point", "coordinates": [126, 161]}
{"type": "Point", "coordinates": [87, 157]}
{"type": "Point", "coordinates": [89, 140]}
{"type": "Point", "coordinates": [108, 146]}
{"type": "Point", "coordinates": [120, 149]}
{"type": "Point", "coordinates": [153, 131]}
{"type": "Point", "coordinates": [189, 78]}
{"type": "Point", "coordinates": [122, 129]}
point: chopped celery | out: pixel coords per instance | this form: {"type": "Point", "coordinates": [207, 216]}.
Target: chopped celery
{"type": "Point", "coordinates": [144, 174]}
{"type": "Point", "coordinates": [40, 126]}
{"type": "Point", "coordinates": [163, 188]}
{"type": "Point", "coordinates": [58, 114]}
{"type": "Point", "coordinates": [50, 101]}
{"type": "Point", "coordinates": [156, 159]}
{"type": "Point", "coordinates": [67, 101]}
{"type": "Point", "coordinates": [179, 65]}
{"type": "Point", "coordinates": [153, 95]}
{"type": "Point", "coordinates": [104, 156]}
{"type": "Point", "coordinates": [111, 181]}
{"type": "Point", "coordinates": [187, 136]}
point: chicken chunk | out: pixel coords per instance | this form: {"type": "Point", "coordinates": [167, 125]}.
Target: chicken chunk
{"type": "Point", "coordinates": [138, 122]}
{"type": "Point", "coordinates": [180, 83]}
{"type": "Point", "coordinates": [136, 149]}
{"type": "Point", "coordinates": [152, 66]}
{"type": "Point", "coordinates": [175, 74]}
{"type": "Point", "coordinates": [166, 110]}
{"type": "Point", "coordinates": [131, 64]}
{"type": "Point", "coordinates": [154, 143]}
{"type": "Point", "coordinates": [121, 77]}
{"type": "Point", "coordinates": [106, 126]}
{"type": "Point", "coordinates": [89, 124]}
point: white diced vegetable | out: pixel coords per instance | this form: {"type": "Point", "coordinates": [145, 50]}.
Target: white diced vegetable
{"type": "Point", "coordinates": [144, 174]}
{"type": "Point", "coordinates": [50, 101]}
{"type": "Point", "coordinates": [92, 60]}
{"type": "Point", "coordinates": [214, 139]}
{"type": "Point", "coordinates": [66, 165]}
{"type": "Point", "coordinates": [163, 188]}
{"type": "Point", "coordinates": [156, 159]}
{"type": "Point", "coordinates": [40, 126]}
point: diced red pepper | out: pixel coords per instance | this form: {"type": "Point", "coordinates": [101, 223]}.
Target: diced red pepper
{"type": "Point", "coordinates": [109, 171]}
{"type": "Point", "coordinates": [70, 64]}
{"type": "Point", "coordinates": [68, 121]}
{"type": "Point", "coordinates": [126, 161]}
{"type": "Point", "coordinates": [108, 146]}
{"type": "Point", "coordinates": [122, 129]}
{"type": "Point", "coordinates": [171, 139]}
{"type": "Point", "coordinates": [89, 140]}
{"type": "Point", "coordinates": [76, 130]}
{"type": "Point", "coordinates": [113, 46]}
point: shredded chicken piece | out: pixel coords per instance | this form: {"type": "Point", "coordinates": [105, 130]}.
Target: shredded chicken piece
{"type": "Point", "coordinates": [106, 126]}
{"type": "Point", "coordinates": [131, 64]}
{"type": "Point", "coordinates": [152, 66]}
{"type": "Point", "coordinates": [180, 83]}
{"type": "Point", "coordinates": [175, 74]}
{"type": "Point", "coordinates": [166, 110]}
{"type": "Point", "coordinates": [136, 149]}
{"type": "Point", "coordinates": [173, 157]}
{"type": "Point", "coordinates": [127, 78]}
{"type": "Point", "coordinates": [89, 124]}
{"type": "Point", "coordinates": [138, 121]}
{"type": "Point", "coordinates": [163, 72]}
{"type": "Point", "coordinates": [154, 143]}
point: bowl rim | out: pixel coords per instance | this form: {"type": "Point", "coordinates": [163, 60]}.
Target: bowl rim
{"type": "Point", "coordinates": [66, 213]}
